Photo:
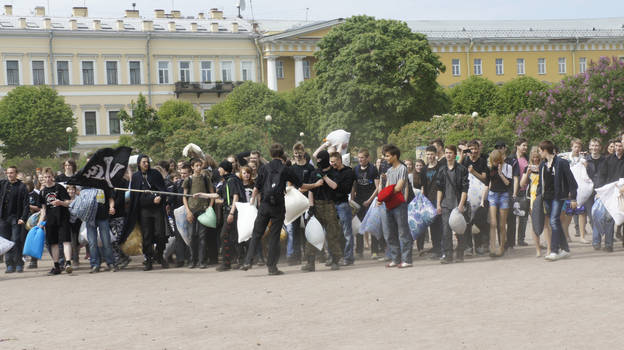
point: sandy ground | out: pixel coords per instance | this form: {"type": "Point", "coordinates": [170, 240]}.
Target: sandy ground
{"type": "Point", "coordinates": [515, 302]}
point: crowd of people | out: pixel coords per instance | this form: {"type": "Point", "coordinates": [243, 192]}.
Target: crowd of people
{"type": "Point", "coordinates": [497, 192]}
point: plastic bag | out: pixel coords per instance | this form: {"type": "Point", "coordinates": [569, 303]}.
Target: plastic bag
{"type": "Point", "coordinates": [5, 245]}
{"type": "Point", "coordinates": [169, 248]}
{"type": "Point", "coordinates": [179, 215]}
{"type": "Point", "coordinates": [475, 194]}
{"type": "Point", "coordinates": [420, 214]}
{"type": "Point", "coordinates": [245, 223]}
{"type": "Point", "coordinates": [609, 195]}
{"type": "Point", "coordinates": [83, 238]}
{"type": "Point", "coordinates": [84, 206]}
{"type": "Point", "coordinates": [314, 233]}
{"type": "Point", "coordinates": [585, 184]}
{"type": "Point", "coordinates": [601, 219]}
{"type": "Point", "coordinates": [457, 222]}
{"type": "Point", "coordinates": [208, 218]}
{"type": "Point", "coordinates": [296, 204]}
{"type": "Point", "coordinates": [538, 217]}
{"type": "Point", "coordinates": [355, 224]}
{"type": "Point", "coordinates": [34, 242]}
{"type": "Point", "coordinates": [372, 220]}
{"type": "Point", "coordinates": [134, 244]}
{"type": "Point", "coordinates": [32, 221]}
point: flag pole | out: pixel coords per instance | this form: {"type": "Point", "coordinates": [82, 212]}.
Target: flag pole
{"type": "Point", "coordinates": [154, 192]}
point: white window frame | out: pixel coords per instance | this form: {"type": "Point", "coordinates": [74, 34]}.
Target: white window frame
{"type": "Point", "coordinates": [307, 69]}
{"type": "Point", "coordinates": [211, 70]}
{"type": "Point", "coordinates": [456, 67]}
{"type": "Point", "coordinates": [231, 63]}
{"type": "Point", "coordinates": [69, 72]}
{"type": "Point", "coordinates": [250, 74]}
{"type": "Point", "coordinates": [190, 69]}
{"type": "Point", "coordinates": [279, 69]}
{"type": "Point", "coordinates": [582, 65]}
{"type": "Point", "coordinates": [84, 123]}
{"type": "Point", "coordinates": [562, 65]}
{"type": "Point", "coordinates": [140, 72]}
{"type": "Point", "coordinates": [45, 72]}
{"type": "Point", "coordinates": [94, 72]}
{"type": "Point", "coordinates": [118, 72]}
{"type": "Point", "coordinates": [541, 63]}
{"type": "Point", "coordinates": [478, 71]}
{"type": "Point", "coordinates": [520, 66]}
{"type": "Point", "coordinates": [108, 122]}
{"type": "Point", "coordinates": [19, 72]}
{"type": "Point", "coordinates": [500, 66]}
{"type": "Point", "coordinates": [169, 75]}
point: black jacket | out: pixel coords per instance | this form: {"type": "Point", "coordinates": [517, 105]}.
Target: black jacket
{"type": "Point", "coordinates": [593, 169]}
{"type": "Point", "coordinates": [460, 179]}
{"type": "Point", "coordinates": [23, 209]}
{"type": "Point", "coordinates": [565, 184]}
{"type": "Point", "coordinates": [612, 169]}
{"type": "Point", "coordinates": [157, 184]}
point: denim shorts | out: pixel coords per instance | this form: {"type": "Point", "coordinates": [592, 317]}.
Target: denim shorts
{"type": "Point", "coordinates": [499, 199]}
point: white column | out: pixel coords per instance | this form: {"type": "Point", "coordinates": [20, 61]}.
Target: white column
{"type": "Point", "coordinates": [272, 73]}
{"type": "Point", "coordinates": [298, 69]}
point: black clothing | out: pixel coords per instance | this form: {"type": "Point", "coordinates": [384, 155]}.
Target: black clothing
{"type": "Point", "coordinates": [612, 169]}
{"type": "Point", "coordinates": [14, 200]}
{"type": "Point", "coordinates": [325, 192]}
{"type": "Point", "coordinates": [459, 178]}
{"type": "Point", "coordinates": [120, 202]}
{"type": "Point", "coordinates": [55, 215]}
{"type": "Point", "coordinates": [496, 183]}
{"type": "Point", "coordinates": [344, 179]}
{"type": "Point", "coordinates": [152, 180]}
{"type": "Point", "coordinates": [593, 169]}
{"type": "Point", "coordinates": [287, 174]}
{"type": "Point", "coordinates": [304, 172]}
{"type": "Point", "coordinates": [62, 178]}
{"type": "Point", "coordinates": [564, 183]}
{"type": "Point", "coordinates": [549, 183]}
{"type": "Point", "coordinates": [231, 186]}
{"type": "Point", "coordinates": [480, 166]}
{"type": "Point", "coordinates": [429, 184]}
{"type": "Point", "coordinates": [365, 182]}
{"type": "Point", "coordinates": [102, 197]}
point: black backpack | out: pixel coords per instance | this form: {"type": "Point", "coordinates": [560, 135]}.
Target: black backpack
{"type": "Point", "coordinates": [273, 186]}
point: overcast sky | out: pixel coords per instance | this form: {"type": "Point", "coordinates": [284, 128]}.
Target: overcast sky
{"type": "Point", "coordinates": [329, 9]}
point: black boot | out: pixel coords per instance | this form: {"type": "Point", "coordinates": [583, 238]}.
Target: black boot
{"type": "Point", "coordinates": [309, 267]}
{"type": "Point", "coordinates": [147, 265]}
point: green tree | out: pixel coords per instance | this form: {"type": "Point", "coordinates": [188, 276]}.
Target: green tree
{"type": "Point", "coordinates": [304, 104]}
{"type": "Point", "coordinates": [520, 94]}
{"type": "Point", "coordinates": [143, 123]}
{"type": "Point", "coordinates": [474, 94]}
{"type": "Point", "coordinates": [33, 121]}
{"type": "Point", "coordinates": [374, 76]}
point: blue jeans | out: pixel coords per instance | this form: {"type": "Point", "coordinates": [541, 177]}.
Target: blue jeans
{"type": "Point", "coordinates": [9, 229]}
{"type": "Point", "coordinates": [92, 234]}
{"type": "Point", "coordinates": [397, 234]}
{"type": "Point", "coordinates": [553, 210]}
{"type": "Point", "coordinates": [604, 221]}
{"type": "Point", "coordinates": [345, 217]}
{"type": "Point", "coordinates": [289, 245]}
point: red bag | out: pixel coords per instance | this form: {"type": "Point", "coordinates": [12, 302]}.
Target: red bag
{"type": "Point", "coordinates": [391, 198]}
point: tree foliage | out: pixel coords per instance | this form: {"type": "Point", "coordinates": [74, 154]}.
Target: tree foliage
{"type": "Point", "coordinates": [373, 77]}
{"type": "Point", "coordinates": [33, 121]}
{"type": "Point", "coordinates": [520, 94]}
{"type": "Point", "coordinates": [475, 94]}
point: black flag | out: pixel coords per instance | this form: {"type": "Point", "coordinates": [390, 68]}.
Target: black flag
{"type": "Point", "coordinates": [104, 170]}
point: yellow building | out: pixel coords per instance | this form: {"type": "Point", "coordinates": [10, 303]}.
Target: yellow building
{"type": "Point", "coordinates": [100, 65]}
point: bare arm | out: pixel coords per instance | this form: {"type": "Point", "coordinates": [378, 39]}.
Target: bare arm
{"type": "Point", "coordinates": [321, 147]}
{"type": "Point", "coordinates": [516, 186]}
{"type": "Point", "coordinates": [330, 182]}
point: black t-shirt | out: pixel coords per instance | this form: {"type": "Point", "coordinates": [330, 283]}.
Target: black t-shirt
{"type": "Point", "coordinates": [365, 182]}
{"type": "Point", "coordinates": [102, 199]}
{"type": "Point", "coordinates": [34, 199]}
{"type": "Point", "coordinates": [325, 193]}
{"type": "Point", "coordinates": [61, 178]}
{"type": "Point", "coordinates": [287, 175]}
{"type": "Point", "coordinates": [495, 181]}
{"type": "Point", "coordinates": [549, 182]}
{"type": "Point", "coordinates": [431, 190]}
{"type": "Point", "coordinates": [55, 215]}
{"type": "Point", "coordinates": [304, 172]}
{"type": "Point", "coordinates": [120, 204]}
{"type": "Point", "coordinates": [344, 179]}
{"type": "Point", "coordinates": [479, 166]}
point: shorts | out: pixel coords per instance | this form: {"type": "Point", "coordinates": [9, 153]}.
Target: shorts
{"type": "Point", "coordinates": [58, 233]}
{"type": "Point", "coordinates": [499, 199]}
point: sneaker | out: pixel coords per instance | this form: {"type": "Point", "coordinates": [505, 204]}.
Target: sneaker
{"type": "Point", "coordinates": [551, 257]}
{"type": "Point", "coordinates": [607, 249]}
{"type": "Point", "coordinates": [115, 268]}
{"type": "Point", "coordinates": [374, 256]}
{"type": "Point", "coordinates": [124, 262]}
{"type": "Point", "coordinates": [522, 244]}
{"type": "Point", "coordinates": [468, 252]}
{"type": "Point", "coordinates": [405, 265]}
{"type": "Point", "coordinates": [54, 271]}
{"type": "Point", "coordinates": [346, 263]}
{"type": "Point", "coordinates": [9, 269]}
{"type": "Point", "coordinates": [68, 268]}
{"type": "Point", "coordinates": [328, 263]}
{"type": "Point", "coordinates": [95, 269]}
{"type": "Point", "coordinates": [245, 267]}
{"type": "Point", "coordinates": [335, 267]}
{"type": "Point", "coordinates": [275, 272]}
{"type": "Point", "coordinates": [446, 259]}
{"type": "Point", "coordinates": [32, 264]}
{"type": "Point", "coordinates": [392, 264]}
{"type": "Point", "coordinates": [563, 254]}
{"type": "Point", "coordinates": [597, 247]}
{"type": "Point", "coordinates": [19, 268]}
{"type": "Point", "coordinates": [223, 267]}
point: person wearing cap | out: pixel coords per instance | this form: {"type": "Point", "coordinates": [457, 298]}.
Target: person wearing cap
{"type": "Point", "coordinates": [452, 183]}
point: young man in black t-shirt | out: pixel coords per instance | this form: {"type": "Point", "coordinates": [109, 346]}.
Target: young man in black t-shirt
{"type": "Point", "coordinates": [13, 216]}
{"type": "Point", "coordinates": [363, 193]}
{"type": "Point", "coordinates": [304, 171]}
{"type": "Point", "coordinates": [477, 166]}
{"type": "Point", "coordinates": [345, 177]}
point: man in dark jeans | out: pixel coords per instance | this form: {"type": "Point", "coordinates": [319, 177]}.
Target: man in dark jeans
{"type": "Point", "coordinates": [304, 171]}
{"type": "Point", "coordinates": [271, 183]}
{"type": "Point", "coordinates": [14, 212]}
{"type": "Point", "coordinates": [345, 177]}
{"type": "Point", "coordinates": [431, 192]}
{"type": "Point", "coordinates": [363, 193]}
{"type": "Point", "coordinates": [477, 167]}
{"type": "Point", "coordinates": [519, 162]}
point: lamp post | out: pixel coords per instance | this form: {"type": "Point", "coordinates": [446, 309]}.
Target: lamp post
{"type": "Point", "coordinates": [268, 119]}
{"type": "Point", "coordinates": [69, 131]}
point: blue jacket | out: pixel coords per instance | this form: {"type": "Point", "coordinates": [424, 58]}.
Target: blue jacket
{"type": "Point", "coordinates": [565, 184]}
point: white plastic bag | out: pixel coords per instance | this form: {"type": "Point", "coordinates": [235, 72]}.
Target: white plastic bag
{"type": "Point", "coordinates": [169, 248]}
{"type": "Point", "coordinates": [457, 222]}
{"type": "Point", "coordinates": [338, 138]}
{"type": "Point", "coordinates": [5, 245]}
{"type": "Point", "coordinates": [355, 224]}
{"type": "Point", "coordinates": [475, 194]}
{"type": "Point", "coordinates": [245, 223]}
{"type": "Point", "coordinates": [180, 219]}
{"type": "Point", "coordinates": [315, 234]}
{"type": "Point", "coordinates": [296, 204]}
{"type": "Point", "coordinates": [346, 159]}
{"type": "Point", "coordinates": [585, 184]}
{"type": "Point", "coordinates": [83, 238]}
{"type": "Point", "coordinates": [609, 194]}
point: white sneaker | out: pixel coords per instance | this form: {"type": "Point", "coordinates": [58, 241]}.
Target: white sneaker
{"type": "Point", "coordinates": [405, 265]}
{"type": "Point", "coordinates": [551, 257]}
{"type": "Point", "coordinates": [563, 254]}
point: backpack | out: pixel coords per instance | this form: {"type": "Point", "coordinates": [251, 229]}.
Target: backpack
{"type": "Point", "coordinates": [273, 186]}
{"type": "Point", "coordinates": [207, 183]}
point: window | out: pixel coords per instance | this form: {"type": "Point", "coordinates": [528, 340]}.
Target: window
{"type": "Point", "coordinates": [541, 66]}
{"type": "Point", "coordinates": [90, 123]}
{"type": "Point", "coordinates": [582, 64]}
{"type": "Point", "coordinates": [562, 65]}
{"type": "Point", "coordinates": [246, 73]}
{"type": "Point", "coordinates": [62, 72]}
{"type": "Point", "coordinates": [38, 72]}
{"type": "Point", "coordinates": [206, 71]}
{"type": "Point", "coordinates": [135, 72]}
{"type": "Point", "coordinates": [12, 71]}
{"type": "Point", "coordinates": [456, 67]}
{"type": "Point", "coordinates": [478, 69]}
{"type": "Point", "coordinates": [520, 64]}
{"type": "Point", "coordinates": [306, 69]}
{"type": "Point", "coordinates": [111, 73]}
{"type": "Point", "coordinates": [279, 69]}
{"type": "Point", "coordinates": [163, 72]}
{"type": "Point", "coordinates": [500, 69]}
{"type": "Point", "coordinates": [87, 73]}
{"type": "Point", "coordinates": [226, 70]}
{"type": "Point", "coordinates": [185, 71]}
{"type": "Point", "coordinates": [114, 126]}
